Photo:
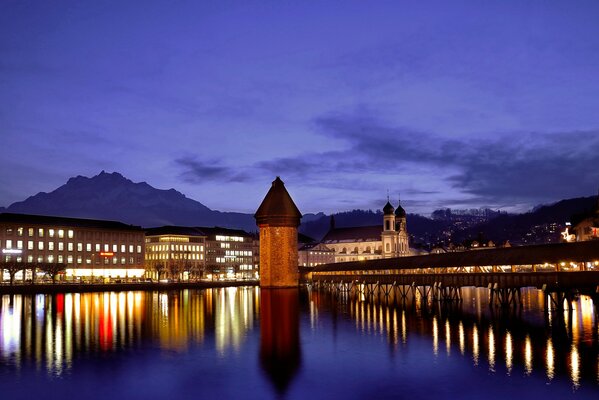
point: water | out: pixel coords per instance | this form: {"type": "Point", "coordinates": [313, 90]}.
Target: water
{"type": "Point", "coordinates": [240, 343]}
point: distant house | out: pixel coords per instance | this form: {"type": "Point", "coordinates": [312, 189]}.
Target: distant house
{"type": "Point", "coordinates": [588, 228]}
{"type": "Point", "coordinates": [313, 254]}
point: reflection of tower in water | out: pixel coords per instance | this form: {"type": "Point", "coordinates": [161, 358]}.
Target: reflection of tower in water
{"type": "Point", "coordinates": [280, 353]}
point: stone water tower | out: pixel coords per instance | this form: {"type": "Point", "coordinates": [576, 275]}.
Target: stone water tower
{"type": "Point", "coordinates": [278, 218]}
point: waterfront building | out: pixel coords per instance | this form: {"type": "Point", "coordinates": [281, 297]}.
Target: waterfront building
{"type": "Point", "coordinates": [229, 254]}
{"type": "Point", "coordinates": [313, 254]}
{"type": "Point", "coordinates": [390, 239]}
{"type": "Point", "coordinates": [81, 249]}
{"type": "Point", "coordinates": [175, 252]}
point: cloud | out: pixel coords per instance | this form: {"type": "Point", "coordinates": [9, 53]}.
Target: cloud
{"type": "Point", "coordinates": [196, 171]}
{"type": "Point", "coordinates": [510, 167]}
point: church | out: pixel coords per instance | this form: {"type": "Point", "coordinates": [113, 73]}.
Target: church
{"type": "Point", "coordinates": [387, 240]}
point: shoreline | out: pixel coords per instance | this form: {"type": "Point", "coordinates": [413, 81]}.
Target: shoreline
{"type": "Point", "coordinates": [117, 287]}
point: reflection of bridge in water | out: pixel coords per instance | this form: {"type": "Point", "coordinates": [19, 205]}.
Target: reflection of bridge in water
{"type": "Point", "coordinates": [523, 341]}
{"type": "Point", "coordinates": [563, 271]}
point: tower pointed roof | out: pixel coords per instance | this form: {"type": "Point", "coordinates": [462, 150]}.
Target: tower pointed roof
{"type": "Point", "coordinates": [388, 209]}
{"type": "Point", "coordinates": [278, 208]}
{"type": "Point", "coordinates": [399, 211]}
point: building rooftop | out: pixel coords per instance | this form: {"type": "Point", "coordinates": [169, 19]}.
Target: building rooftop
{"type": "Point", "coordinates": [174, 230]}
{"type": "Point", "coordinates": [66, 221]}
{"type": "Point", "coordinates": [524, 255]}
{"type": "Point", "coordinates": [277, 208]}
{"type": "Point", "coordinates": [195, 231]}
{"type": "Point", "coordinates": [354, 234]}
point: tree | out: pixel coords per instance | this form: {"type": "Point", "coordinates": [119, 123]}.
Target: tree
{"type": "Point", "coordinates": [52, 269]}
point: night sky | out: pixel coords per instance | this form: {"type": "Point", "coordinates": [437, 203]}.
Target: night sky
{"type": "Point", "coordinates": [451, 104]}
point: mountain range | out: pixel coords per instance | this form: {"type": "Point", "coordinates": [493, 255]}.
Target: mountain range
{"type": "Point", "coordinates": [111, 196]}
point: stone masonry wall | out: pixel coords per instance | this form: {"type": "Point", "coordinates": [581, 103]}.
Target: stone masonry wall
{"type": "Point", "coordinates": [278, 256]}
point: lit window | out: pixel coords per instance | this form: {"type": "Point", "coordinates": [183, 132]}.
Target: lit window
{"type": "Point", "coordinates": [130, 248]}
{"type": "Point", "coordinates": [123, 260]}
{"type": "Point", "coordinates": [30, 245]}
{"type": "Point", "coordinates": [40, 232]}
{"type": "Point", "coordinates": [19, 231]}
{"type": "Point", "coordinates": [19, 244]}
{"type": "Point", "coordinates": [70, 247]}
{"type": "Point", "coordinates": [60, 233]}
{"type": "Point", "coordinates": [114, 260]}
{"type": "Point", "coordinates": [80, 247]}
{"type": "Point", "coordinates": [106, 247]}
{"type": "Point", "coordinates": [51, 246]}
{"type": "Point", "coordinates": [69, 259]}
{"type": "Point", "coordinates": [50, 258]}
{"type": "Point", "coordinates": [123, 248]}
{"type": "Point", "coordinates": [88, 261]}
{"type": "Point", "coordinates": [60, 259]}
{"type": "Point", "coordinates": [40, 259]}
{"type": "Point", "coordinates": [70, 234]}
{"type": "Point", "coordinates": [79, 259]}
{"type": "Point", "coordinates": [30, 232]}
{"type": "Point", "coordinates": [29, 258]}
{"type": "Point", "coordinates": [51, 232]}
{"type": "Point", "coordinates": [60, 246]}
{"type": "Point", "coordinates": [138, 248]}
{"type": "Point", "coordinates": [97, 247]}
{"type": "Point", "coordinates": [9, 244]}
{"type": "Point", "coordinates": [9, 231]}
{"type": "Point", "coordinates": [40, 245]}
{"type": "Point", "coordinates": [114, 248]}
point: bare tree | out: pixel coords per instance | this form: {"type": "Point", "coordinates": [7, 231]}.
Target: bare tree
{"type": "Point", "coordinates": [52, 269]}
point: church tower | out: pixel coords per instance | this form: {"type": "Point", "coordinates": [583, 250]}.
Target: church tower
{"type": "Point", "coordinates": [401, 229]}
{"type": "Point", "coordinates": [389, 234]}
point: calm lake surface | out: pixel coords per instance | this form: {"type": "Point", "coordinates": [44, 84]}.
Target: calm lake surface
{"type": "Point", "coordinates": [241, 343]}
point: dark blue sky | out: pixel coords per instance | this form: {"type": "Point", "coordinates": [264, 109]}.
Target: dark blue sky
{"type": "Point", "coordinates": [457, 104]}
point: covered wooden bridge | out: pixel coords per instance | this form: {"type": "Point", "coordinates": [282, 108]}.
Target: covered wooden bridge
{"type": "Point", "coordinates": [562, 270]}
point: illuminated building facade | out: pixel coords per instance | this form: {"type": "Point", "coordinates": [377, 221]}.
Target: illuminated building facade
{"type": "Point", "coordinates": [588, 228]}
{"type": "Point", "coordinates": [175, 252]}
{"type": "Point", "coordinates": [87, 249]}
{"type": "Point", "coordinates": [313, 254]}
{"type": "Point", "coordinates": [371, 242]}
{"type": "Point", "coordinates": [229, 254]}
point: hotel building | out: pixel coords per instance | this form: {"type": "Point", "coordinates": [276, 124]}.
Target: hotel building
{"type": "Point", "coordinates": [182, 253]}
{"type": "Point", "coordinates": [87, 249]}
{"type": "Point", "coordinates": [175, 252]}
{"type": "Point", "coordinates": [229, 254]}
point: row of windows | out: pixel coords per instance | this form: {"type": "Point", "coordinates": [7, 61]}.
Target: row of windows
{"type": "Point", "coordinates": [70, 246]}
{"type": "Point", "coordinates": [174, 256]}
{"type": "Point", "coordinates": [175, 247]}
{"type": "Point", "coordinates": [220, 238]}
{"type": "Point", "coordinates": [40, 232]}
{"type": "Point", "coordinates": [51, 258]}
{"type": "Point", "coordinates": [238, 253]}
{"type": "Point", "coordinates": [68, 233]}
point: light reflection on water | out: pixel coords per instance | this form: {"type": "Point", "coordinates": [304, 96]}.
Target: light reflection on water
{"type": "Point", "coordinates": [52, 334]}
{"type": "Point", "coordinates": [512, 338]}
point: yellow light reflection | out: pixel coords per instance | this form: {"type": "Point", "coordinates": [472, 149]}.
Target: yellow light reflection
{"type": "Point", "coordinates": [491, 338]}
{"type": "Point", "coordinates": [575, 366]}
{"type": "Point", "coordinates": [550, 360]}
{"type": "Point", "coordinates": [475, 344]}
{"type": "Point", "coordinates": [435, 336]}
{"type": "Point", "coordinates": [447, 337]}
{"type": "Point", "coordinates": [462, 338]}
{"type": "Point", "coordinates": [509, 352]}
{"type": "Point", "coordinates": [527, 355]}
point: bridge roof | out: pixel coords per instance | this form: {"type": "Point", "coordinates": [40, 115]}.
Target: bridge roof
{"type": "Point", "coordinates": [525, 255]}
